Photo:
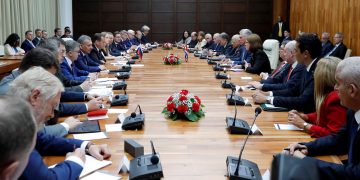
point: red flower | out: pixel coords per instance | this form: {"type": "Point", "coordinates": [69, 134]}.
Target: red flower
{"type": "Point", "coordinates": [195, 107]}
{"type": "Point", "coordinates": [197, 99]}
{"type": "Point", "coordinates": [182, 98]}
{"type": "Point", "coordinates": [182, 108]}
{"type": "Point", "coordinates": [170, 107]}
{"type": "Point", "coordinates": [170, 99]}
{"type": "Point", "coordinates": [171, 61]}
{"type": "Point", "coordinates": [184, 92]}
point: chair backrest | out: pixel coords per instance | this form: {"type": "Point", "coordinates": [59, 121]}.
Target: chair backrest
{"type": "Point", "coordinates": [2, 50]}
{"type": "Point", "coordinates": [271, 48]}
{"type": "Point", "coordinates": [348, 53]}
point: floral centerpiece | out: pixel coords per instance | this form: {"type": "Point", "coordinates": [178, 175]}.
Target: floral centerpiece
{"type": "Point", "coordinates": [184, 104]}
{"type": "Point", "coordinates": [172, 59]}
{"type": "Point", "coordinates": [167, 46]}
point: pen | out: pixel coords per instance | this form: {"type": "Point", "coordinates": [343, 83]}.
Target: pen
{"type": "Point", "coordinates": [298, 148]}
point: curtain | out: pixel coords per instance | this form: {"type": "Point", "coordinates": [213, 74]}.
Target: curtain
{"type": "Point", "coordinates": [18, 16]}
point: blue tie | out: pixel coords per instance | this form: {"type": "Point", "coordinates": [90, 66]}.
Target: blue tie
{"type": "Point", "coordinates": [354, 130]}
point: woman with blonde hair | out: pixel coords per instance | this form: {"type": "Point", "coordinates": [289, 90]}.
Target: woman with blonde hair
{"type": "Point", "coordinates": [330, 116]}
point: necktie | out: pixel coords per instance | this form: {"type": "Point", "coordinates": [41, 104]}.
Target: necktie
{"type": "Point", "coordinates": [328, 54]}
{"type": "Point", "coordinates": [32, 44]}
{"type": "Point", "coordinates": [289, 74]}
{"type": "Point", "coordinates": [73, 68]}
{"type": "Point", "coordinates": [278, 69]}
{"type": "Point", "coordinates": [280, 30]}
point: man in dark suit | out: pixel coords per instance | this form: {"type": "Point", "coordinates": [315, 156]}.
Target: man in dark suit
{"type": "Point", "coordinates": [68, 67]}
{"type": "Point", "coordinates": [287, 78]}
{"type": "Point", "coordinates": [287, 37]}
{"type": "Point", "coordinates": [209, 41]}
{"type": "Point", "coordinates": [193, 41]}
{"type": "Point", "coordinates": [96, 53]}
{"type": "Point", "coordinates": [43, 90]}
{"type": "Point", "coordinates": [15, 116]}
{"type": "Point", "coordinates": [327, 46]}
{"type": "Point", "coordinates": [339, 50]}
{"type": "Point", "coordinates": [216, 45]}
{"type": "Point", "coordinates": [85, 62]}
{"type": "Point", "coordinates": [346, 141]}
{"type": "Point", "coordinates": [279, 28]}
{"type": "Point", "coordinates": [27, 44]}
{"type": "Point", "coordinates": [301, 96]}
{"type": "Point", "coordinates": [145, 32]}
{"type": "Point", "coordinates": [227, 49]}
{"type": "Point", "coordinates": [37, 38]}
{"type": "Point", "coordinates": [57, 32]}
{"type": "Point", "coordinates": [116, 47]}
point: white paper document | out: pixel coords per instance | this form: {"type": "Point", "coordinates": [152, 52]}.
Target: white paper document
{"type": "Point", "coordinates": [101, 92]}
{"type": "Point", "coordinates": [93, 118]}
{"type": "Point", "coordinates": [99, 87]}
{"type": "Point", "coordinates": [246, 78]}
{"type": "Point", "coordinates": [105, 79]}
{"type": "Point", "coordinates": [113, 127]}
{"type": "Point", "coordinates": [105, 83]}
{"type": "Point", "coordinates": [98, 175]}
{"type": "Point", "coordinates": [288, 127]}
{"type": "Point", "coordinates": [137, 65]}
{"type": "Point", "coordinates": [90, 136]}
{"type": "Point", "coordinates": [117, 111]}
{"type": "Point", "coordinates": [236, 70]}
{"type": "Point", "coordinates": [91, 165]}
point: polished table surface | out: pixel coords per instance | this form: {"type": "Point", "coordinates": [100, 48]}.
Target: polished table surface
{"type": "Point", "coordinates": [9, 63]}
{"type": "Point", "coordinates": [193, 150]}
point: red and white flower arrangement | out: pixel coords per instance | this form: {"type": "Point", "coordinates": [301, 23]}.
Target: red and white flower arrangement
{"type": "Point", "coordinates": [172, 59]}
{"type": "Point", "coordinates": [167, 46]}
{"type": "Point", "coordinates": [184, 104]}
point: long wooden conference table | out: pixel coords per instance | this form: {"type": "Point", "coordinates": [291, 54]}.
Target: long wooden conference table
{"type": "Point", "coordinates": [9, 63]}
{"type": "Point", "coordinates": [193, 150]}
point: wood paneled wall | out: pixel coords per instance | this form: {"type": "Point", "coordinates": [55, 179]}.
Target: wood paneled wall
{"type": "Point", "coordinates": [169, 18]}
{"type": "Point", "coordinates": [328, 16]}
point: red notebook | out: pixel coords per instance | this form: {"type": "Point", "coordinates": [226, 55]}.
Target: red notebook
{"type": "Point", "coordinates": [99, 112]}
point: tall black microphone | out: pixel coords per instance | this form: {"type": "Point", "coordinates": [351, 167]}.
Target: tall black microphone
{"type": "Point", "coordinates": [257, 112]}
{"type": "Point", "coordinates": [248, 170]}
{"type": "Point", "coordinates": [236, 126]}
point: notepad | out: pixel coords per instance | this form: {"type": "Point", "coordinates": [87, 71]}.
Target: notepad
{"type": "Point", "coordinates": [86, 127]}
{"type": "Point", "coordinates": [288, 127]}
{"type": "Point", "coordinates": [101, 175]}
{"type": "Point", "coordinates": [90, 136]}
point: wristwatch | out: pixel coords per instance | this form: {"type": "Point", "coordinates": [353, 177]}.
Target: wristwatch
{"type": "Point", "coordinates": [88, 147]}
{"type": "Point", "coordinates": [305, 124]}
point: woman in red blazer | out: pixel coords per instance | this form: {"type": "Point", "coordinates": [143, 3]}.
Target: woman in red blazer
{"type": "Point", "coordinates": [330, 116]}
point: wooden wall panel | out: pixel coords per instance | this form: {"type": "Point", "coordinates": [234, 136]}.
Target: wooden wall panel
{"type": "Point", "coordinates": [169, 18]}
{"type": "Point", "coordinates": [328, 16]}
